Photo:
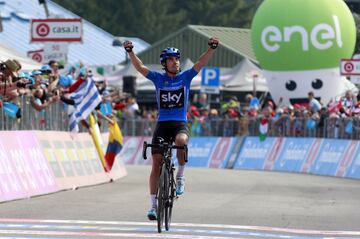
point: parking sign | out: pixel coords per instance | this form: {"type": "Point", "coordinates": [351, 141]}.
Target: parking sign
{"type": "Point", "coordinates": [210, 80]}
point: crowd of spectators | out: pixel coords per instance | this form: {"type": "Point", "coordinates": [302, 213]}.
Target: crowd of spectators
{"type": "Point", "coordinates": [52, 83]}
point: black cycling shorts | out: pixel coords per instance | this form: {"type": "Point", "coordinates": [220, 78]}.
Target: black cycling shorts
{"type": "Point", "coordinates": [168, 131]}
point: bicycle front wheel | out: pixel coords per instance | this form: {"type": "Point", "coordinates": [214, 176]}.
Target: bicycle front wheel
{"type": "Point", "coordinates": [170, 192]}
{"type": "Point", "coordinates": [161, 198]}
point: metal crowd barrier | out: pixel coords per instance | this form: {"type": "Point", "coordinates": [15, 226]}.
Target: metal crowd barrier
{"type": "Point", "coordinates": [299, 127]}
{"type": "Point", "coordinates": [52, 118]}
{"type": "Point", "coordinates": [55, 118]}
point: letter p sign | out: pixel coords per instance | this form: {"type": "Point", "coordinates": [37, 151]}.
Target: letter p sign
{"type": "Point", "coordinates": [210, 77]}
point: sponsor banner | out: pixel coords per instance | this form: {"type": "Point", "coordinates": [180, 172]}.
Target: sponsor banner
{"type": "Point", "coordinates": [254, 153]}
{"type": "Point", "coordinates": [293, 153]}
{"type": "Point", "coordinates": [234, 153]}
{"type": "Point", "coordinates": [37, 55]}
{"type": "Point", "coordinates": [11, 186]}
{"type": "Point", "coordinates": [201, 150]}
{"type": "Point", "coordinates": [24, 170]}
{"type": "Point", "coordinates": [56, 30]}
{"type": "Point", "coordinates": [55, 51]}
{"type": "Point", "coordinates": [118, 169]}
{"type": "Point", "coordinates": [68, 156]}
{"type": "Point", "coordinates": [331, 153]}
{"type": "Point", "coordinates": [350, 67]}
{"type": "Point", "coordinates": [75, 160]}
{"type": "Point", "coordinates": [131, 147]}
{"type": "Point", "coordinates": [353, 171]}
{"type": "Point", "coordinates": [270, 161]}
{"type": "Point", "coordinates": [139, 157]}
{"type": "Point", "coordinates": [222, 152]}
{"type": "Point", "coordinates": [312, 156]}
{"type": "Point", "coordinates": [347, 159]}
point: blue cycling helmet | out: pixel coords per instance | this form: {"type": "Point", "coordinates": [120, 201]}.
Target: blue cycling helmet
{"type": "Point", "coordinates": [167, 52]}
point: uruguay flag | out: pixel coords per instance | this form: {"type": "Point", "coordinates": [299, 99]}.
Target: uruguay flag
{"type": "Point", "coordinates": [86, 98]}
{"type": "Point", "coordinates": [114, 146]}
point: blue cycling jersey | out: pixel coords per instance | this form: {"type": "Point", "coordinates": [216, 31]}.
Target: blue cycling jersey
{"type": "Point", "coordinates": [172, 94]}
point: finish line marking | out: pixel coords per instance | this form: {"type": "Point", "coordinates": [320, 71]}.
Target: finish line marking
{"type": "Point", "coordinates": [56, 227]}
{"type": "Point", "coordinates": [97, 234]}
{"type": "Point", "coordinates": [89, 228]}
{"type": "Point", "coordinates": [239, 227]}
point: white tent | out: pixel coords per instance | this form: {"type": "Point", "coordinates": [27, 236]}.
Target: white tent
{"type": "Point", "coordinates": [237, 79]}
{"type": "Point", "coordinates": [241, 78]}
{"type": "Point", "coordinates": [27, 64]}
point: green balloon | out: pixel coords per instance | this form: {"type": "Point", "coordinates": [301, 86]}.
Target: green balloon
{"type": "Point", "coordinates": [292, 35]}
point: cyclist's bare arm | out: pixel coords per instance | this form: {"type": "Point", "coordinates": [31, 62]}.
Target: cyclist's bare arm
{"type": "Point", "coordinates": [205, 57]}
{"type": "Point", "coordinates": [139, 66]}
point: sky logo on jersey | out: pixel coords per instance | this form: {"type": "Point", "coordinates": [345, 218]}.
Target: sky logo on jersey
{"type": "Point", "coordinates": [172, 98]}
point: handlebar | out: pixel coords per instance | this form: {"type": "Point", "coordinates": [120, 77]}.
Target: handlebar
{"type": "Point", "coordinates": [163, 145]}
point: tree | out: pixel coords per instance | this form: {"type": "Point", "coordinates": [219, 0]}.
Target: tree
{"type": "Point", "coordinates": [357, 22]}
{"type": "Point", "coordinates": [151, 20]}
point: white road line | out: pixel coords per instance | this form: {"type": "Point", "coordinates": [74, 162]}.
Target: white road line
{"type": "Point", "coordinates": [192, 225]}
{"type": "Point", "coordinates": [116, 235]}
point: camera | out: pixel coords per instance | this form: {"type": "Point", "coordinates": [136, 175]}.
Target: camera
{"type": "Point", "coordinates": [46, 72]}
{"type": "Point", "coordinates": [56, 92]}
{"type": "Point", "coordinates": [2, 67]}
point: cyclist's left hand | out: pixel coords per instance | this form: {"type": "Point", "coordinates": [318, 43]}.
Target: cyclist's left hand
{"type": "Point", "coordinates": [213, 42]}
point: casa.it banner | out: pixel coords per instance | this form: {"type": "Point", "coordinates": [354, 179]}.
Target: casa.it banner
{"type": "Point", "coordinates": [56, 30]}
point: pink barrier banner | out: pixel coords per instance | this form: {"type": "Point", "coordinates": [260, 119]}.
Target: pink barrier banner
{"type": "Point", "coordinates": [24, 169]}
{"type": "Point", "coordinates": [131, 148]}
{"type": "Point", "coordinates": [39, 162]}
{"type": "Point", "coordinates": [76, 161]}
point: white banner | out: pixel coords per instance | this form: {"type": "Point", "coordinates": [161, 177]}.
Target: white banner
{"type": "Point", "coordinates": [56, 29]}
{"type": "Point", "coordinates": [55, 51]}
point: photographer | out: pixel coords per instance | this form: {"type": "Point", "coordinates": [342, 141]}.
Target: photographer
{"type": "Point", "coordinates": [39, 100]}
{"type": "Point", "coordinates": [9, 83]}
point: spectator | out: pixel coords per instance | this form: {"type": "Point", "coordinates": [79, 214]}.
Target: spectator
{"type": "Point", "coordinates": [314, 104]}
{"type": "Point", "coordinates": [202, 102]}
{"type": "Point", "coordinates": [8, 84]}
{"type": "Point", "coordinates": [348, 103]}
{"type": "Point", "coordinates": [132, 108]}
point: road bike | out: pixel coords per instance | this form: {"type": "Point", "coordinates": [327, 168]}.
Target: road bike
{"type": "Point", "coordinates": [166, 192]}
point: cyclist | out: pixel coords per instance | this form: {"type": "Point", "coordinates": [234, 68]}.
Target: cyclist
{"type": "Point", "coordinates": [172, 92]}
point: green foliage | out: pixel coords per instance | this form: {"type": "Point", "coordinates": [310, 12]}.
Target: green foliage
{"type": "Point", "coordinates": [152, 20]}
{"type": "Point", "coordinates": [357, 22]}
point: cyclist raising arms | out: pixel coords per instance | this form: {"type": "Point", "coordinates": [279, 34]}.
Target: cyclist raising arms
{"type": "Point", "coordinates": [172, 93]}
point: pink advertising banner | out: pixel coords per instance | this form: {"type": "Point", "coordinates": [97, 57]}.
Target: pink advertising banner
{"type": "Point", "coordinates": [24, 169]}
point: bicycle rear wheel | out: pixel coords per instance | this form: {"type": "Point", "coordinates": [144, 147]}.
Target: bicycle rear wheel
{"type": "Point", "coordinates": [161, 199]}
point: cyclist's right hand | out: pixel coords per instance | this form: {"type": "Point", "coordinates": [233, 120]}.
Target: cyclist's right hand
{"type": "Point", "coordinates": [128, 46]}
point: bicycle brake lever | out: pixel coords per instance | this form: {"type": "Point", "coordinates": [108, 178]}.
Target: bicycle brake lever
{"type": "Point", "coordinates": [186, 153]}
{"type": "Point", "coordinates": [144, 150]}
